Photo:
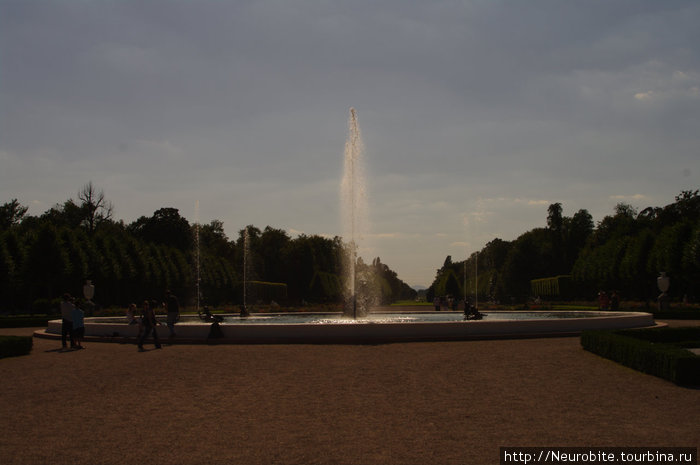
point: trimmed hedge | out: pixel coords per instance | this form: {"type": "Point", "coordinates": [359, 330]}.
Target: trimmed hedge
{"type": "Point", "coordinates": [556, 286]}
{"type": "Point", "coordinates": [12, 346]}
{"type": "Point", "coordinates": [24, 321]}
{"type": "Point", "coordinates": [265, 292]}
{"type": "Point", "coordinates": [677, 314]}
{"type": "Point", "coordinates": [654, 351]}
{"type": "Point", "coordinates": [325, 287]}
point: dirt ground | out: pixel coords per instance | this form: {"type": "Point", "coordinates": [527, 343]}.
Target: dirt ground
{"type": "Point", "coordinates": [407, 403]}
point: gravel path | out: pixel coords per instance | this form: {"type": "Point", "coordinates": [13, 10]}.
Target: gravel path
{"type": "Point", "coordinates": [408, 403]}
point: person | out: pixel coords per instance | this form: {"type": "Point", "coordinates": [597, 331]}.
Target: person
{"type": "Point", "coordinates": [603, 300]}
{"type": "Point", "coordinates": [207, 316]}
{"type": "Point", "coordinates": [131, 314]}
{"type": "Point", "coordinates": [614, 301]}
{"type": "Point", "coordinates": [215, 329]}
{"type": "Point", "coordinates": [471, 312]}
{"type": "Point", "coordinates": [67, 321]}
{"type": "Point", "coordinates": [78, 327]}
{"type": "Point", "coordinates": [436, 302]}
{"type": "Point", "coordinates": [148, 320]}
{"type": "Point", "coordinates": [173, 308]}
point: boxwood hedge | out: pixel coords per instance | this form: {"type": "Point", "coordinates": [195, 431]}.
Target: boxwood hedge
{"type": "Point", "coordinates": [12, 346]}
{"type": "Point", "coordinates": [656, 351]}
{"type": "Point", "coordinates": [24, 321]}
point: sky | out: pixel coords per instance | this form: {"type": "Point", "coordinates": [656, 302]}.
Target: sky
{"type": "Point", "coordinates": [475, 115]}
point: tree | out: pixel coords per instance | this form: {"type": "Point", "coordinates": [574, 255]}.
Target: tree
{"type": "Point", "coordinates": [47, 264]}
{"type": "Point", "coordinates": [69, 215]}
{"type": "Point", "coordinates": [555, 224]}
{"type": "Point", "coordinates": [272, 242]}
{"type": "Point", "coordinates": [554, 217]}
{"type": "Point", "coordinates": [11, 213]}
{"type": "Point", "coordinates": [95, 207]}
{"type": "Point", "coordinates": [166, 227]}
{"type": "Point", "coordinates": [447, 264]}
{"type": "Point", "coordinates": [577, 230]}
{"type": "Point", "coordinates": [212, 239]}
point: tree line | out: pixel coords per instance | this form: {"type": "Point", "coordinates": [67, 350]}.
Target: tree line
{"type": "Point", "coordinates": [626, 252]}
{"type": "Point", "coordinates": [41, 257]}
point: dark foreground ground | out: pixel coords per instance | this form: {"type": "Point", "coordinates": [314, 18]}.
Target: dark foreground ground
{"type": "Point", "coordinates": [410, 403]}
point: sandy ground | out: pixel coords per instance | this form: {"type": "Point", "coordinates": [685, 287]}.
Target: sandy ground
{"type": "Point", "coordinates": [408, 403]}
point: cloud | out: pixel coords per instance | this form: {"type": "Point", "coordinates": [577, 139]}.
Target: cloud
{"type": "Point", "coordinates": [474, 114]}
{"type": "Point", "coordinates": [628, 198]}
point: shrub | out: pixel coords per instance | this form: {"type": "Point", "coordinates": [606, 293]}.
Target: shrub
{"type": "Point", "coordinates": [654, 351]}
{"type": "Point", "coordinates": [42, 306]}
{"type": "Point", "coordinates": [12, 346]}
{"type": "Point", "coordinates": [24, 321]}
{"type": "Point", "coordinates": [259, 291]}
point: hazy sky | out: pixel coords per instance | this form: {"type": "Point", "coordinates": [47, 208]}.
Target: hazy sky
{"type": "Point", "coordinates": [476, 115]}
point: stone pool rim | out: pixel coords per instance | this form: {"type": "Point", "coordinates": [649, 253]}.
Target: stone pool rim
{"type": "Point", "coordinates": [104, 329]}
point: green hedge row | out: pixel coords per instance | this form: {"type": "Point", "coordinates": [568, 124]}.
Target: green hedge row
{"type": "Point", "coordinates": [265, 292]}
{"type": "Point", "coordinates": [654, 351]}
{"type": "Point", "coordinates": [12, 346]}
{"type": "Point", "coordinates": [24, 321]}
{"type": "Point", "coordinates": [679, 314]}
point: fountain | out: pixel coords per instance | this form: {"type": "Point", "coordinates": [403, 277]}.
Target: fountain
{"type": "Point", "coordinates": [197, 256]}
{"type": "Point", "coordinates": [353, 194]}
{"type": "Point", "coordinates": [381, 325]}
{"type": "Point", "coordinates": [357, 323]}
{"type": "Point", "coordinates": [246, 263]}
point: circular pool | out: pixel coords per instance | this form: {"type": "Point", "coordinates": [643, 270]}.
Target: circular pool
{"type": "Point", "coordinates": [376, 328]}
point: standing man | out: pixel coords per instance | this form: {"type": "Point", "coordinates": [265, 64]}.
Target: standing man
{"type": "Point", "coordinates": [67, 320]}
{"type": "Point", "coordinates": [148, 320]}
{"type": "Point", "coordinates": [173, 308]}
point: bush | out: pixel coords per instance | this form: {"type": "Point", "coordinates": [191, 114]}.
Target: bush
{"type": "Point", "coordinates": [24, 321]}
{"type": "Point", "coordinates": [42, 306]}
{"type": "Point", "coordinates": [259, 291]}
{"type": "Point", "coordinates": [654, 351]}
{"type": "Point", "coordinates": [677, 314]}
{"type": "Point", "coordinates": [325, 287]}
{"type": "Point", "coordinates": [12, 346]}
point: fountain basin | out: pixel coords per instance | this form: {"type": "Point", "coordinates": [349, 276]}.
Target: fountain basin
{"type": "Point", "coordinates": [377, 328]}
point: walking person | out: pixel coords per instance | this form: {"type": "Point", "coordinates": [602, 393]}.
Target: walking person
{"type": "Point", "coordinates": [78, 327]}
{"type": "Point", "coordinates": [67, 321]}
{"type": "Point", "coordinates": [173, 308]}
{"type": "Point", "coordinates": [131, 315]}
{"type": "Point", "coordinates": [148, 321]}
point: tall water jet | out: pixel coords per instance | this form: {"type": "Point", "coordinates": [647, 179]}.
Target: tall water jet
{"type": "Point", "coordinates": [353, 190]}
{"type": "Point", "coordinates": [246, 252]}
{"type": "Point", "coordinates": [197, 254]}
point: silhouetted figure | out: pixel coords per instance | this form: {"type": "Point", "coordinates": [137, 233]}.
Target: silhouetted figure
{"type": "Point", "coordinates": [173, 307]}
{"type": "Point", "coordinates": [67, 307]}
{"type": "Point", "coordinates": [244, 311]}
{"type": "Point", "coordinates": [206, 315]}
{"type": "Point", "coordinates": [471, 312]}
{"type": "Point", "coordinates": [78, 327]}
{"type": "Point", "coordinates": [148, 320]}
{"type": "Point", "coordinates": [614, 301]}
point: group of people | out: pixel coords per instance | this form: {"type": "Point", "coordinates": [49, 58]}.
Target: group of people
{"type": "Point", "coordinates": [470, 310]}
{"type": "Point", "coordinates": [72, 323]}
{"type": "Point", "coordinates": [441, 301]}
{"type": "Point", "coordinates": [147, 319]}
{"type": "Point", "coordinates": [608, 301]}
{"type": "Point", "coordinates": [73, 320]}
